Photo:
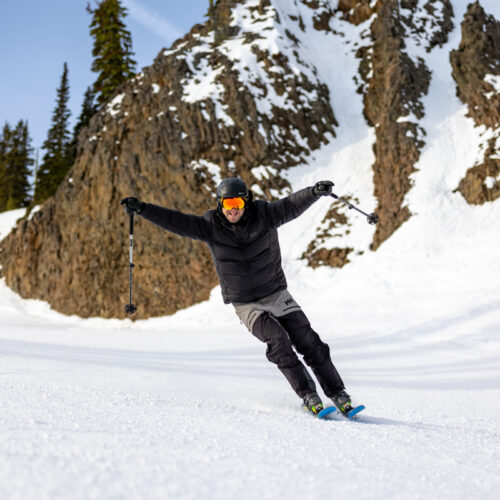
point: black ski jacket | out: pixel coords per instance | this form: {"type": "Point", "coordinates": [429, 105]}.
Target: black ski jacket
{"type": "Point", "coordinates": [247, 254]}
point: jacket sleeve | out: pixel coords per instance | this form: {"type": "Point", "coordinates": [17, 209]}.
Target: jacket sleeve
{"type": "Point", "coordinates": [289, 208]}
{"type": "Point", "coordinates": [190, 226]}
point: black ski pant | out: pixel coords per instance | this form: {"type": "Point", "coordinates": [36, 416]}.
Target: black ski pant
{"type": "Point", "coordinates": [283, 334]}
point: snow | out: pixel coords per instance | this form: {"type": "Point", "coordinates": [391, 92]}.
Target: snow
{"type": "Point", "coordinates": [263, 172]}
{"type": "Point", "coordinates": [494, 81]}
{"type": "Point", "coordinates": [37, 208]}
{"type": "Point", "coordinates": [198, 90]}
{"type": "Point", "coordinates": [9, 219]}
{"type": "Point", "coordinates": [113, 107]}
{"type": "Point", "coordinates": [491, 181]}
{"type": "Point", "coordinates": [212, 168]}
{"type": "Point", "coordinates": [187, 406]}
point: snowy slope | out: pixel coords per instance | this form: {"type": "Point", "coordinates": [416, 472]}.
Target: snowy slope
{"type": "Point", "coordinates": [187, 406]}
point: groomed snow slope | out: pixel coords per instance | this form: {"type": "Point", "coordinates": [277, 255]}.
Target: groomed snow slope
{"type": "Point", "coordinates": [187, 406]}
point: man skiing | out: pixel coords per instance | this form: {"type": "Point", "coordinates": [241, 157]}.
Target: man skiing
{"type": "Point", "coordinates": [243, 239]}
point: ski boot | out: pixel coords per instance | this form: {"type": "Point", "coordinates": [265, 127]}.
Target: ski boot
{"type": "Point", "coordinates": [312, 403]}
{"type": "Point", "coordinates": [342, 401]}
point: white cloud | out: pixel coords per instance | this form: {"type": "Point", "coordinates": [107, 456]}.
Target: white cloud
{"type": "Point", "coordinates": [152, 21]}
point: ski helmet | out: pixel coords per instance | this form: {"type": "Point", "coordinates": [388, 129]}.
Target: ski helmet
{"type": "Point", "coordinates": [233, 187]}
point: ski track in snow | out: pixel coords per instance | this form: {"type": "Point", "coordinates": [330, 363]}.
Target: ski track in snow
{"type": "Point", "coordinates": [187, 406]}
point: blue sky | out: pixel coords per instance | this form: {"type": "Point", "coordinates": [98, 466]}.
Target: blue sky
{"type": "Point", "coordinates": [37, 37]}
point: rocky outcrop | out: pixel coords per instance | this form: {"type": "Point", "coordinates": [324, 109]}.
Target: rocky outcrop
{"type": "Point", "coordinates": [393, 102]}
{"type": "Point", "coordinates": [476, 70]}
{"type": "Point", "coordinates": [196, 115]}
{"type": "Point", "coordinates": [392, 82]}
{"type": "Point", "coordinates": [358, 11]}
{"type": "Point", "coordinates": [236, 96]}
{"type": "Point", "coordinates": [333, 225]}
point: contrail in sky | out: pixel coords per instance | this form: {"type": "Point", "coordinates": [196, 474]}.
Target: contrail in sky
{"type": "Point", "coordinates": [152, 21]}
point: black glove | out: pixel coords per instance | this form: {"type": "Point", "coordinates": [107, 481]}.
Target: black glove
{"type": "Point", "coordinates": [323, 188]}
{"type": "Point", "coordinates": [133, 205]}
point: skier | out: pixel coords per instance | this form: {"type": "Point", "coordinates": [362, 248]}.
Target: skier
{"type": "Point", "coordinates": [243, 239]}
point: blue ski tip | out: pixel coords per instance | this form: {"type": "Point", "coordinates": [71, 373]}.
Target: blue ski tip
{"type": "Point", "coordinates": [354, 411]}
{"type": "Point", "coordinates": [326, 411]}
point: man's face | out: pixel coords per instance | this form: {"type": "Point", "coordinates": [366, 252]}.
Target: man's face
{"type": "Point", "coordinates": [234, 214]}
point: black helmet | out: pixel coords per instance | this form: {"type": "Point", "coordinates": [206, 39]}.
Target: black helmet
{"type": "Point", "coordinates": [233, 187]}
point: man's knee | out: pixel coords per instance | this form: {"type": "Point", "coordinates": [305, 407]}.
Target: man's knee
{"type": "Point", "coordinates": [279, 347]}
{"type": "Point", "coordinates": [305, 339]}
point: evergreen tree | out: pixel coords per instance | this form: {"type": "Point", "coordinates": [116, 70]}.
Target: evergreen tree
{"type": "Point", "coordinates": [58, 158]}
{"type": "Point", "coordinates": [15, 162]}
{"type": "Point", "coordinates": [112, 50]}
{"type": "Point", "coordinates": [5, 144]}
{"type": "Point", "coordinates": [88, 110]}
{"type": "Point", "coordinates": [18, 172]}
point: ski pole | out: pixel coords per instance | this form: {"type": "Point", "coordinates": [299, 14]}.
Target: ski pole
{"type": "Point", "coordinates": [131, 308]}
{"type": "Point", "coordinates": [372, 218]}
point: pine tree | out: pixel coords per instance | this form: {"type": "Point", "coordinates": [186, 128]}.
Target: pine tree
{"type": "Point", "coordinates": [58, 158]}
{"type": "Point", "coordinates": [89, 108]}
{"type": "Point", "coordinates": [112, 49]}
{"type": "Point", "coordinates": [15, 162]}
{"type": "Point", "coordinates": [214, 22]}
{"type": "Point", "coordinates": [5, 144]}
{"type": "Point", "coordinates": [19, 170]}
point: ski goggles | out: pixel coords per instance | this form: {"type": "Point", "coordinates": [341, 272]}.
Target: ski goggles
{"type": "Point", "coordinates": [229, 203]}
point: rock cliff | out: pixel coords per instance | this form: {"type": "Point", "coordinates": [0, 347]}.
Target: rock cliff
{"type": "Point", "coordinates": [476, 70]}
{"type": "Point", "coordinates": [392, 81]}
{"type": "Point", "coordinates": [242, 95]}
{"type": "Point", "coordinates": [196, 115]}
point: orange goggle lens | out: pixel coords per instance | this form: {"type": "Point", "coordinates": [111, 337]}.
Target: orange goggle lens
{"type": "Point", "coordinates": [229, 203]}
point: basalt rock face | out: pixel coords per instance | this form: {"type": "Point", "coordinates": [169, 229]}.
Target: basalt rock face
{"type": "Point", "coordinates": [244, 94]}
{"type": "Point", "coordinates": [317, 254]}
{"type": "Point", "coordinates": [393, 100]}
{"type": "Point", "coordinates": [476, 70]}
{"type": "Point", "coordinates": [358, 11]}
{"type": "Point", "coordinates": [196, 115]}
{"type": "Point", "coordinates": [393, 81]}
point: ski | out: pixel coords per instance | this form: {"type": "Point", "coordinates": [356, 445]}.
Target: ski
{"type": "Point", "coordinates": [352, 413]}
{"type": "Point", "coordinates": [328, 412]}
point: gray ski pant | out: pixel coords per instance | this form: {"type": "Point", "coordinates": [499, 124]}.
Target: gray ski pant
{"type": "Point", "coordinates": [280, 323]}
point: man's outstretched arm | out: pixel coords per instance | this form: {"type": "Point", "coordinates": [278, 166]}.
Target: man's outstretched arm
{"type": "Point", "coordinates": [188, 225]}
{"type": "Point", "coordinates": [289, 208]}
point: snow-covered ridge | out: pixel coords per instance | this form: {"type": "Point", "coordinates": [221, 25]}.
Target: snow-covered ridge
{"type": "Point", "coordinates": [264, 53]}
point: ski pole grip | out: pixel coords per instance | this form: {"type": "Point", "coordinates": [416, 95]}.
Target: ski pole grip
{"type": "Point", "coordinates": [131, 229]}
